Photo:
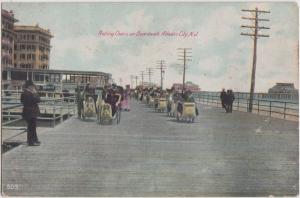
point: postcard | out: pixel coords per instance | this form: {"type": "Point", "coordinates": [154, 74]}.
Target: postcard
{"type": "Point", "coordinates": [150, 99]}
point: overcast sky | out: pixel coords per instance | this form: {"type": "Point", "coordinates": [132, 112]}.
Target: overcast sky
{"type": "Point", "coordinates": [221, 57]}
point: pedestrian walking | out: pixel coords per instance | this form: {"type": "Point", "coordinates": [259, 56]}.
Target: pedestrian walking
{"type": "Point", "coordinates": [30, 100]}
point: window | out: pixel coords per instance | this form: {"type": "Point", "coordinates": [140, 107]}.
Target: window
{"type": "Point", "coordinates": [33, 57]}
{"type": "Point", "coordinates": [22, 56]}
{"type": "Point", "coordinates": [16, 47]}
{"type": "Point", "coordinates": [32, 37]}
{"type": "Point", "coordinates": [28, 56]}
{"type": "Point", "coordinates": [33, 48]}
{"type": "Point", "coordinates": [41, 48]}
{"type": "Point", "coordinates": [23, 47]}
{"type": "Point", "coordinates": [15, 56]}
{"type": "Point", "coordinates": [28, 47]}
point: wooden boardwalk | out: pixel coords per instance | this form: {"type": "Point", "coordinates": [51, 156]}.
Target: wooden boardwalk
{"type": "Point", "coordinates": [149, 154]}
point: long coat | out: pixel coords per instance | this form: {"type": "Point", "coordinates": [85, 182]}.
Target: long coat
{"type": "Point", "coordinates": [30, 105]}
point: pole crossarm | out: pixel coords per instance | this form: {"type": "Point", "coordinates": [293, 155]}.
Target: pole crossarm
{"type": "Point", "coordinates": [259, 11]}
{"type": "Point", "coordinates": [248, 26]}
{"type": "Point", "coordinates": [258, 35]}
{"type": "Point", "coordinates": [255, 19]}
{"type": "Point", "coordinates": [185, 59]}
{"type": "Point", "coordinates": [184, 48]}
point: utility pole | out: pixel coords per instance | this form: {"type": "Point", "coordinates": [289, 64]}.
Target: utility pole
{"type": "Point", "coordinates": [131, 80]}
{"type": "Point", "coordinates": [184, 55]}
{"type": "Point", "coordinates": [161, 67]}
{"type": "Point", "coordinates": [142, 76]}
{"type": "Point", "coordinates": [255, 35]}
{"type": "Point", "coordinates": [120, 81]}
{"type": "Point", "coordinates": [136, 77]}
{"type": "Point", "coordinates": [149, 72]}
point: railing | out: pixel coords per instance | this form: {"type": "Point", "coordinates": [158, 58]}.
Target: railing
{"type": "Point", "coordinates": [274, 108]}
{"type": "Point", "coordinates": [57, 108]}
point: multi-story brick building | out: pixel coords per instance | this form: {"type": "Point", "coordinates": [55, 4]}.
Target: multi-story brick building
{"type": "Point", "coordinates": [26, 55]}
{"type": "Point", "coordinates": [32, 47]}
{"type": "Point", "coordinates": [7, 40]}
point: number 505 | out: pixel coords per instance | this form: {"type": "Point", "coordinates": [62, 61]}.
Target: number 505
{"type": "Point", "coordinates": [12, 186]}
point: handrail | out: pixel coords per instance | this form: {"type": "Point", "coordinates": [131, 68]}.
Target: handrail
{"type": "Point", "coordinates": [56, 105]}
{"type": "Point", "coordinates": [284, 108]}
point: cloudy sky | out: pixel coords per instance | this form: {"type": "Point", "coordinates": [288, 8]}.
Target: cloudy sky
{"type": "Point", "coordinates": [221, 57]}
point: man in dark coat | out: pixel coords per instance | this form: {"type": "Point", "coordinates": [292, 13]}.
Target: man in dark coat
{"type": "Point", "coordinates": [30, 100]}
{"type": "Point", "coordinates": [79, 98]}
{"type": "Point", "coordinates": [222, 97]}
{"type": "Point", "coordinates": [231, 98]}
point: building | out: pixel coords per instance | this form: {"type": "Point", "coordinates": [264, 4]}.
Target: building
{"type": "Point", "coordinates": [32, 47]}
{"type": "Point", "coordinates": [283, 88]}
{"type": "Point", "coordinates": [282, 92]}
{"type": "Point", "coordinates": [26, 53]}
{"type": "Point", "coordinates": [8, 37]}
{"type": "Point", "coordinates": [14, 78]}
{"type": "Point", "coordinates": [188, 86]}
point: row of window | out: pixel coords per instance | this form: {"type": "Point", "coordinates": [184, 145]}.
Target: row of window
{"type": "Point", "coordinates": [31, 57]}
{"type": "Point", "coordinates": [43, 66]}
{"type": "Point", "coordinates": [7, 36]}
{"type": "Point", "coordinates": [31, 66]}
{"type": "Point", "coordinates": [32, 37]}
{"type": "Point", "coordinates": [6, 48]}
{"type": "Point", "coordinates": [31, 47]}
{"type": "Point", "coordinates": [6, 61]}
{"type": "Point", "coordinates": [7, 25]}
{"type": "Point", "coordinates": [27, 66]}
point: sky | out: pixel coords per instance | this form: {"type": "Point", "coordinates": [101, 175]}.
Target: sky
{"type": "Point", "coordinates": [221, 57]}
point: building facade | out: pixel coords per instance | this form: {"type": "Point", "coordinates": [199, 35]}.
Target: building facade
{"type": "Point", "coordinates": [188, 86]}
{"type": "Point", "coordinates": [283, 88]}
{"type": "Point", "coordinates": [14, 78]}
{"type": "Point", "coordinates": [32, 47]}
{"type": "Point", "coordinates": [8, 37]}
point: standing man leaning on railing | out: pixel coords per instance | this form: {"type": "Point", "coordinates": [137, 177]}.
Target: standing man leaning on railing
{"type": "Point", "coordinates": [30, 100]}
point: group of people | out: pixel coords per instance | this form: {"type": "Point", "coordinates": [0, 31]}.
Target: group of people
{"type": "Point", "coordinates": [115, 96]}
{"type": "Point", "coordinates": [168, 94]}
{"type": "Point", "coordinates": [227, 98]}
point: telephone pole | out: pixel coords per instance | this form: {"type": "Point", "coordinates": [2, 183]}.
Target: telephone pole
{"type": "Point", "coordinates": [136, 77]}
{"type": "Point", "coordinates": [131, 81]}
{"type": "Point", "coordinates": [161, 66]}
{"type": "Point", "coordinates": [184, 55]}
{"type": "Point", "coordinates": [255, 35]}
{"type": "Point", "coordinates": [142, 76]}
{"type": "Point", "coordinates": [120, 81]}
{"type": "Point", "coordinates": [149, 72]}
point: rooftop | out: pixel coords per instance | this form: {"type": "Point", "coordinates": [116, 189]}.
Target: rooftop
{"type": "Point", "coordinates": [8, 14]}
{"type": "Point", "coordinates": [55, 71]}
{"type": "Point", "coordinates": [32, 28]}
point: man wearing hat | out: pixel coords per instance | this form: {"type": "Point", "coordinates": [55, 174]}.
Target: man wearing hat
{"type": "Point", "coordinates": [30, 100]}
